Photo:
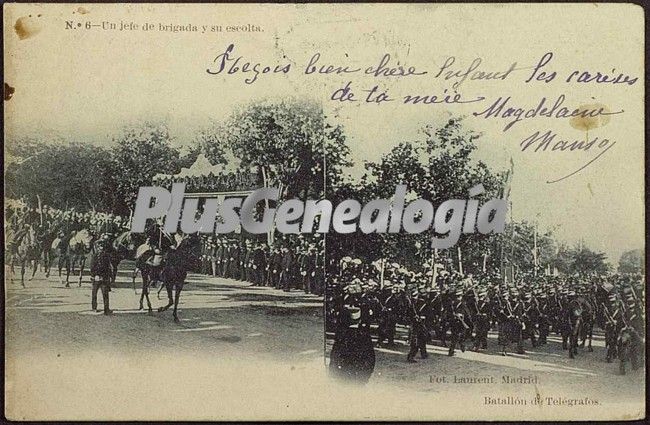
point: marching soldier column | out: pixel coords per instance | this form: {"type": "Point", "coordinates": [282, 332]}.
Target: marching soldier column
{"type": "Point", "coordinates": [460, 309]}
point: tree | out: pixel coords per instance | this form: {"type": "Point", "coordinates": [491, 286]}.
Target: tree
{"type": "Point", "coordinates": [632, 262]}
{"type": "Point", "coordinates": [140, 153]}
{"type": "Point", "coordinates": [519, 246]}
{"type": "Point", "coordinates": [581, 260]}
{"type": "Point", "coordinates": [289, 142]}
{"type": "Point", "coordinates": [64, 175]}
{"type": "Point", "coordinates": [436, 167]}
{"type": "Point", "coordinates": [213, 143]}
{"type": "Point", "coordinates": [586, 261]}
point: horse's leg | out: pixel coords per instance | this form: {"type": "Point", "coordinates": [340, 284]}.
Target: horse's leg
{"type": "Point", "coordinates": [590, 334]}
{"type": "Point", "coordinates": [47, 264]}
{"type": "Point", "coordinates": [22, 272]}
{"type": "Point", "coordinates": [60, 264]}
{"type": "Point", "coordinates": [13, 270]}
{"type": "Point", "coordinates": [116, 263]}
{"type": "Point", "coordinates": [520, 346]}
{"type": "Point", "coordinates": [163, 285]}
{"type": "Point", "coordinates": [621, 366]}
{"type": "Point", "coordinates": [179, 288]}
{"type": "Point", "coordinates": [149, 308]}
{"type": "Point", "coordinates": [67, 272]}
{"type": "Point", "coordinates": [81, 270]}
{"type": "Point", "coordinates": [34, 268]}
{"type": "Point", "coordinates": [167, 286]}
{"type": "Point", "coordinates": [145, 285]}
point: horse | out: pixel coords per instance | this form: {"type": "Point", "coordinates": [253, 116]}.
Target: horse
{"type": "Point", "coordinates": [58, 250]}
{"type": "Point", "coordinates": [150, 264]}
{"type": "Point", "coordinates": [125, 245]}
{"type": "Point", "coordinates": [78, 249]}
{"type": "Point", "coordinates": [24, 248]}
{"type": "Point", "coordinates": [147, 249]}
{"type": "Point", "coordinates": [47, 238]}
{"type": "Point", "coordinates": [177, 263]}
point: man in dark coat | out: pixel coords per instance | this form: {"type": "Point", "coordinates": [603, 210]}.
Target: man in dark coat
{"type": "Point", "coordinates": [101, 272]}
{"type": "Point", "coordinates": [220, 256]}
{"type": "Point", "coordinates": [259, 264]}
{"type": "Point", "coordinates": [247, 263]}
{"type": "Point", "coordinates": [418, 333]}
{"type": "Point", "coordinates": [275, 267]}
{"type": "Point", "coordinates": [235, 255]}
{"type": "Point", "coordinates": [353, 357]}
{"type": "Point", "coordinates": [287, 269]}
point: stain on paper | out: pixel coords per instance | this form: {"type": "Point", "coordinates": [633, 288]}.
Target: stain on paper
{"type": "Point", "coordinates": [589, 123]}
{"type": "Point", "coordinates": [27, 26]}
{"type": "Point", "coordinates": [9, 91]}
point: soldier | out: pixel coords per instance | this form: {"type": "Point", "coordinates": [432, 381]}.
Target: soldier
{"type": "Point", "coordinates": [248, 263]}
{"type": "Point", "coordinates": [259, 264]}
{"type": "Point", "coordinates": [304, 270]}
{"type": "Point", "coordinates": [418, 333]}
{"type": "Point", "coordinates": [235, 256]}
{"type": "Point", "coordinates": [220, 255]}
{"type": "Point", "coordinates": [458, 333]}
{"type": "Point", "coordinates": [629, 346]}
{"type": "Point", "coordinates": [387, 315]}
{"type": "Point", "coordinates": [287, 269]}
{"type": "Point", "coordinates": [212, 255]}
{"type": "Point", "coordinates": [481, 329]}
{"type": "Point", "coordinates": [275, 267]}
{"type": "Point", "coordinates": [228, 252]}
{"type": "Point", "coordinates": [352, 357]}
{"type": "Point", "coordinates": [205, 254]}
{"type": "Point", "coordinates": [101, 271]}
{"type": "Point", "coordinates": [319, 273]}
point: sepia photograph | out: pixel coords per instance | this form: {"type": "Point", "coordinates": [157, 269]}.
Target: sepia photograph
{"type": "Point", "coordinates": [370, 212]}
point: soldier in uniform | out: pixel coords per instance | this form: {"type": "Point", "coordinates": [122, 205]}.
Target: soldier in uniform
{"type": "Point", "coordinates": [248, 263]}
{"type": "Point", "coordinates": [352, 357]}
{"type": "Point", "coordinates": [286, 270]}
{"type": "Point", "coordinates": [275, 267]}
{"type": "Point", "coordinates": [101, 271]}
{"type": "Point", "coordinates": [458, 333]}
{"type": "Point", "coordinates": [387, 314]}
{"type": "Point", "coordinates": [418, 333]}
{"type": "Point", "coordinates": [220, 256]}
{"type": "Point", "coordinates": [259, 264]}
{"type": "Point", "coordinates": [205, 254]}
{"type": "Point", "coordinates": [304, 271]}
{"type": "Point", "coordinates": [228, 252]}
{"type": "Point", "coordinates": [235, 255]}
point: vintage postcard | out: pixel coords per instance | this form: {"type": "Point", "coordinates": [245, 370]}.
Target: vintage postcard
{"type": "Point", "coordinates": [324, 212]}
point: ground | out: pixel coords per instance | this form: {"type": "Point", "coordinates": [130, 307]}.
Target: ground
{"type": "Point", "coordinates": [476, 381]}
{"type": "Point", "coordinates": [54, 337]}
{"type": "Point", "coordinates": [242, 352]}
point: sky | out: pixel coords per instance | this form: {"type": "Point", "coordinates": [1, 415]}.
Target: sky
{"type": "Point", "coordinates": [86, 84]}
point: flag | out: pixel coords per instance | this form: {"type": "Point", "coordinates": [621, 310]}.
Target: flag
{"type": "Point", "coordinates": [505, 190]}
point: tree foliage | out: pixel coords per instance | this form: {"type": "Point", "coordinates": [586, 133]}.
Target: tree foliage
{"type": "Point", "coordinates": [632, 262]}
{"type": "Point", "coordinates": [291, 141]}
{"type": "Point", "coordinates": [139, 154]}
